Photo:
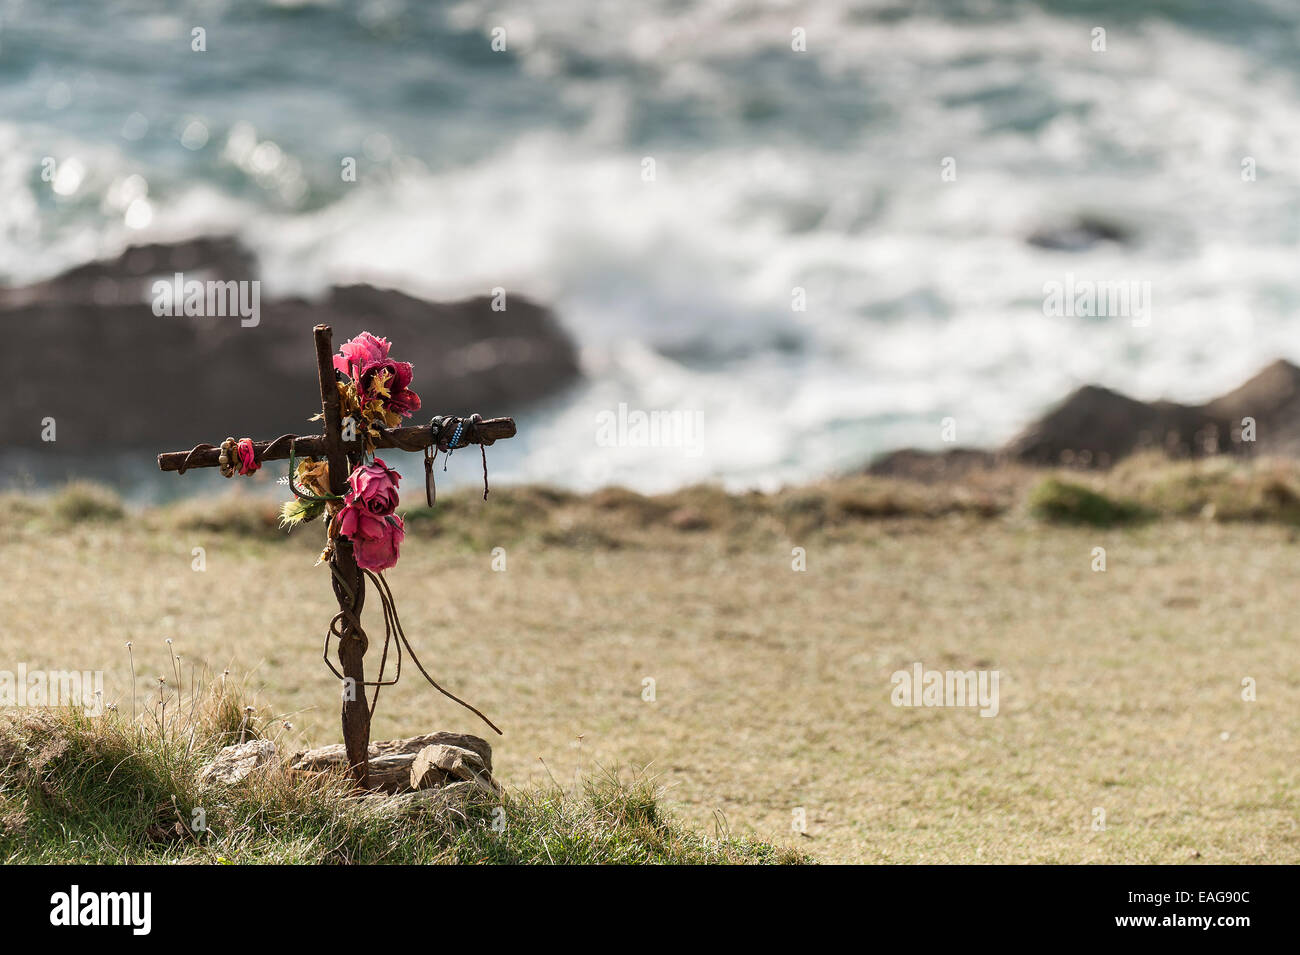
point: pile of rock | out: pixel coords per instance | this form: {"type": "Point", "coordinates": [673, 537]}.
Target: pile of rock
{"type": "Point", "coordinates": [432, 761]}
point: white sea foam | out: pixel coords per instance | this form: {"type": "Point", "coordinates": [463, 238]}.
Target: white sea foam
{"type": "Point", "coordinates": [774, 170]}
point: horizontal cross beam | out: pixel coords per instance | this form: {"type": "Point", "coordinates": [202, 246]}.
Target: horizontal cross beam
{"type": "Point", "coordinates": [413, 438]}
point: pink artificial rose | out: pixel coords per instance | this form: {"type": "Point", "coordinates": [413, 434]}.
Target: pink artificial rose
{"type": "Point", "coordinates": [367, 518]}
{"type": "Point", "coordinates": [405, 402]}
{"type": "Point", "coordinates": [373, 488]}
{"type": "Point", "coordinates": [363, 359]}
{"type": "Point", "coordinates": [359, 352]}
{"type": "Point", "coordinates": [399, 373]}
{"type": "Point", "coordinates": [378, 551]}
{"type": "Point", "coordinates": [356, 523]}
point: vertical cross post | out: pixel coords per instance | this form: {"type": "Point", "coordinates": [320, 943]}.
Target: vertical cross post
{"type": "Point", "coordinates": [349, 583]}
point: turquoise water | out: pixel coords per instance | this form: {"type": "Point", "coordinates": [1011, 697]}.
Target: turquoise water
{"type": "Point", "coordinates": [774, 170]}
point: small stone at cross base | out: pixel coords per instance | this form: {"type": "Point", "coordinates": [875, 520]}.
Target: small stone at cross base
{"type": "Point", "coordinates": [434, 760]}
{"type": "Point", "coordinates": [235, 763]}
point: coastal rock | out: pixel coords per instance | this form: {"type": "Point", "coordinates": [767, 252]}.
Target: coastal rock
{"type": "Point", "coordinates": [1272, 399]}
{"type": "Point", "coordinates": [1095, 427]}
{"type": "Point", "coordinates": [127, 279]}
{"type": "Point", "coordinates": [404, 765]}
{"type": "Point", "coordinates": [235, 763]}
{"type": "Point", "coordinates": [115, 375]}
{"type": "Point", "coordinates": [1077, 236]}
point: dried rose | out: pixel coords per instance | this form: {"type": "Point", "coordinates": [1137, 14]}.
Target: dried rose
{"type": "Point", "coordinates": [389, 381]}
{"type": "Point", "coordinates": [375, 540]}
{"type": "Point", "coordinates": [359, 352]}
{"type": "Point", "coordinates": [373, 487]}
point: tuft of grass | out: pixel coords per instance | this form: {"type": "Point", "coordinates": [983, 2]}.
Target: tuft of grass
{"type": "Point", "coordinates": [235, 512]}
{"type": "Point", "coordinates": [1220, 488]}
{"type": "Point", "coordinates": [1066, 502]}
{"type": "Point", "coordinates": [611, 821]}
{"type": "Point", "coordinates": [81, 790]}
{"type": "Point", "coordinates": [80, 501]}
{"type": "Point", "coordinates": [19, 510]}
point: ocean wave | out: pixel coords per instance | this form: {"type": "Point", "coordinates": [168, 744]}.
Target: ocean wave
{"type": "Point", "coordinates": [774, 171]}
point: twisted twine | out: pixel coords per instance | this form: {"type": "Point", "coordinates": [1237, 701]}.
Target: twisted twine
{"type": "Point", "coordinates": [272, 448]}
{"type": "Point", "coordinates": [347, 624]}
{"type": "Point", "coordinates": [441, 432]}
{"type": "Point", "coordinates": [446, 434]}
{"type": "Point", "coordinates": [351, 595]}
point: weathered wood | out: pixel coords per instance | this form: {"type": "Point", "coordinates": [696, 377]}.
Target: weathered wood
{"type": "Point", "coordinates": [414, 437]}
{"type": "Point", "coordinates": [444, 761]}
{"type": "Point", "coordinates": [349, 585]}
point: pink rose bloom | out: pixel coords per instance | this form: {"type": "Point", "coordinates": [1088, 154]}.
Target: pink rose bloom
{"type": "Point", "coordinates": [367, 518]}
{"type": "Point", "coordinates": [405, 402]}
{"type": "Point", "coordinates": [399, 373]}
{"type": "Point", "coordinates": [365, 357]}
{"type": "Point", "coordinates": [379, 550]}
{"type": "Point", "coordinates": [373, 488]}
{"type": "Point", "coordinates": [361, 351]}
{"type": "Point", "coordinates": [356, 523]}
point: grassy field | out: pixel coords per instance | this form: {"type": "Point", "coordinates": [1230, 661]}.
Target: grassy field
{"type": "Point", "coordinates": [77, 790]}
{"type": "Point", "coordinates": [1121, 691]}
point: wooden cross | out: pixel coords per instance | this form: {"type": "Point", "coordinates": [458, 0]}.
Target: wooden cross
{"type": "Point", "coordinates": [342, 455]}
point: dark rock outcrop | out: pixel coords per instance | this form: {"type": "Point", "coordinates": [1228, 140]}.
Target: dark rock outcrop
{"type": "Point", "coordinates": [127, 279]}
{"type": "Point", "coordinates": [1272, 398]}
{"type": "Point", "coordinates": [1095, 427]}
{"type": "Point", "coordinates": [87, 349]}
{"type": "Point", "coordinates": [1077, 236]}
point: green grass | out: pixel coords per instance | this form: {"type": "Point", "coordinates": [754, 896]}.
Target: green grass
{"type": "Point", "coordinates": [1059, 501]}
{"type": "Point", "coordinates": [1149, 487]}
{"type": "Point", "coordinates": [1220, 489]}
{"type": "Point", "coordinates": [82, 790]}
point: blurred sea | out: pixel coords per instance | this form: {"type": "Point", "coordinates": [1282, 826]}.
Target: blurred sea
{"type": "Point", "coordinates": [775, 169]}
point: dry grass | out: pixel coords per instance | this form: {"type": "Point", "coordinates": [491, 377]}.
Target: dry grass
{"type": "Point", "coordinates": [772, 686]}
{"type": "Point", "coordinates": [76, 790]}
